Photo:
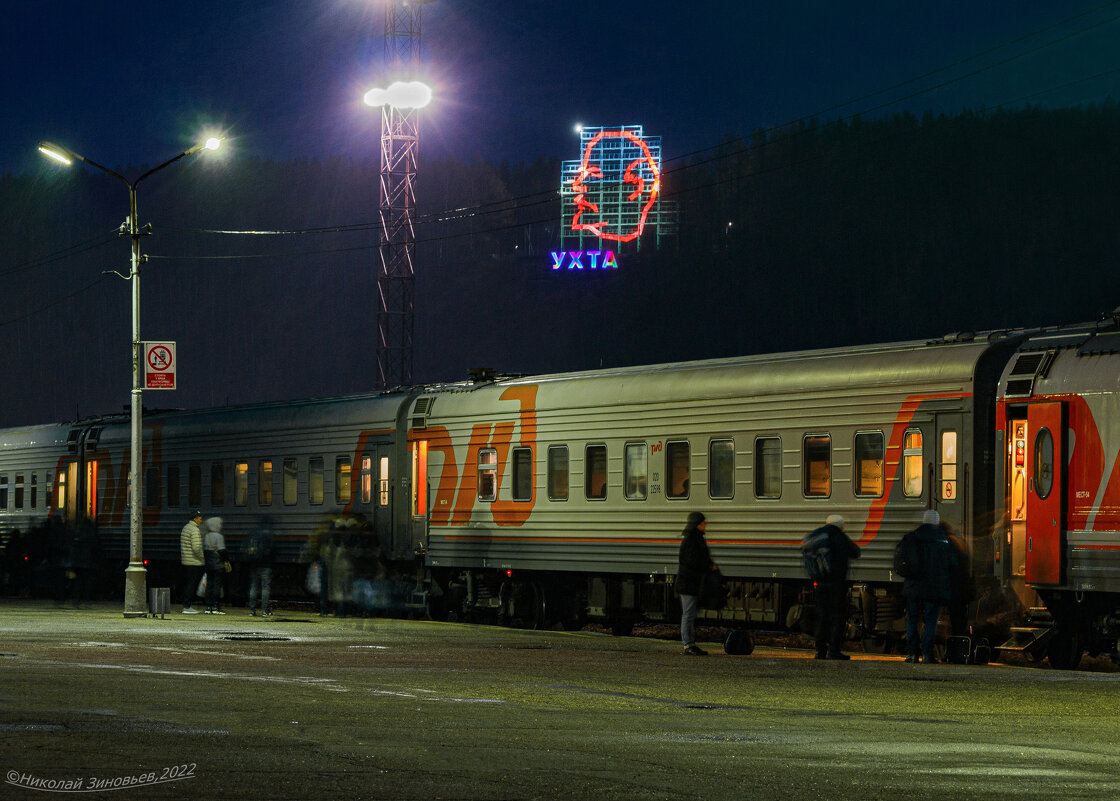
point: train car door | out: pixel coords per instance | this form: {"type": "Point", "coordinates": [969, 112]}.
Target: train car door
{"type": "Point", "coordinates": [1046, 478]}
{"type": "Point", "coordinates": [950, 493]}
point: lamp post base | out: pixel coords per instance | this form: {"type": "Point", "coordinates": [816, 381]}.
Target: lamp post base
{"type": "Point", "coordinates": [135, 590]}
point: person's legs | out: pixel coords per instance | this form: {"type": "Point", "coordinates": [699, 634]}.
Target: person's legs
{"type": "Point", "coordinates": [688, 619]}
{"type": "Point", "coordinates": [266, 589]}
{"type": "Point", "coordinates": [254, 588]}
{"type": "Point", "coordinates": [913, 624]}
{"type": "Point", "coordinates": [931, 612]}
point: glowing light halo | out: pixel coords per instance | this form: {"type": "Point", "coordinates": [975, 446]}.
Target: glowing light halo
{"type": "Point", "coordinates": [400, 94]}
{"type": "Point", "coordinates": [586, 170]}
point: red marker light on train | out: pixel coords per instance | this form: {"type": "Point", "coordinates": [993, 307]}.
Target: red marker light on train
{"type": "Point", "coordinates": [509, 574]}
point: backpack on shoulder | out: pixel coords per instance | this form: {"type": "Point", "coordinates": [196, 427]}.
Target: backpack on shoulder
{"type": "Point", "coordinates": [815, 554]}
{"type": "Point", "coordinates": [908, 558]}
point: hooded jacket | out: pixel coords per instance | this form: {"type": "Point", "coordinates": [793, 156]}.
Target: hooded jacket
{"type": "Point", "coordinates": [695, 559]}
{"type": "Point", "coordinates": [214, 544]}
{"type": "Point", "coordinates": [939, 561]}
{"type": "Point", "coordinates": [190, 545]}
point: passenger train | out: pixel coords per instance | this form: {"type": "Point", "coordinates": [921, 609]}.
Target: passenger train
{"type": "Point", "coordinates": [558, 499]}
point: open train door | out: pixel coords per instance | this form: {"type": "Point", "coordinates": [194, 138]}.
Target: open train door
{"type": "Point", "coordinates": [1046, 493]}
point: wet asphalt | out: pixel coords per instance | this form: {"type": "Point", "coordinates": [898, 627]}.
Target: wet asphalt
{"type": "Point", "coordinates": [300, 706]}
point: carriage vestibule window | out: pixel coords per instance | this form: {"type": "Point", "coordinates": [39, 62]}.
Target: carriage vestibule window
{"type": "Point", "coordinates": [194, 486]}
{"type": "Point", "coordinates": [19, 490]}
{"type": "Point", "coordinates": [342, 479]}
{"type": "Point", "coordinates": [61, 485]}
{"type": "Point", "coordinates": [34, 490]}
{"type": "Point", "coordinates": [367, 479]}
{"type": "Point", "coordinates": [870, 457]}
{"type": "Point", "coordinates": [635, 468]}
{"type": "Point", "coordinates": [817, 461]}
{"type": "Point", "coordinates": [948, 465]}
{"type": "Point", "coordinates": [217, 484]}
{"type": "Point", "coordinates": [4, 493]}
{"type": "Point", "coordinates": [768, 467]}
{"type": "Point", "coordinates": [595, 467]}
{"type": "Point", "coordinates": [912, 464]}
{"type": "Point", "coordinates": [677, 476]}
{"type": "Point", "coordinates": [264, 483]}
{"type": "Point", "coordinates": [172, 485]}
{"type": "Point", "coordinates": [419, 477]}
{"type": "Point", "coordinates": [487, 474]}
{"type": "Point", "coordinates": [558, 473]}
{"type": "Point", "coordinates": [383, 481]}
{"type": "Point", "coordinates": [315, 480]}
{"type": "Point", "coordinates": [522, 474]}
{"type": "Point", "coordinates": [240, 483]}
{"type": "Point", "coordinates": [291, 482]}
{"type": "Point", "coordinates": [151, 488]}
{"type": "Point", "coordinates": [721, 468]}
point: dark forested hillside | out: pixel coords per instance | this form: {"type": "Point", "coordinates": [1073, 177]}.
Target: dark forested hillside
{"type": "Point", "coordinates": [839, 233]}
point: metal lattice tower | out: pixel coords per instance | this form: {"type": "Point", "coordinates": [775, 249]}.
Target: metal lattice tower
{"type": "Point", "coordinates": [400, 136]}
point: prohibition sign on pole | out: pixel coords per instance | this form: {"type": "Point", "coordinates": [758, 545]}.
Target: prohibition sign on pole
{"type": "Point", "coordinates": [159, 365]}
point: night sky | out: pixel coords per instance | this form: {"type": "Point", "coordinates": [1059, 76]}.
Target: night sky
{"type": "Point", "coordinates": [130, 83]}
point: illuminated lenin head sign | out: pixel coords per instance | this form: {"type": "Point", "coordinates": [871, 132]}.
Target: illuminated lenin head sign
{"type": "Point", "coordinates": [612, 189]}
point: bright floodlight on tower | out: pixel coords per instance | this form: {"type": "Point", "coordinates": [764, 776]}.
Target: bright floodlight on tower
{"type": "Point", "coordinates": [213, 143]}
{"type": "Point", "coordinates": [400, 94]}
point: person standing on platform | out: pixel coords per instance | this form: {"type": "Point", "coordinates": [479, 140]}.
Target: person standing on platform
{"type": "Point", "coordinates": [193, 559]}
{"type": "Point", "coordinates": [694, 562]}
{"type": "Point", "coordinates": [217, 559]}
{"type": "Point", "coordinates": [828, 552]}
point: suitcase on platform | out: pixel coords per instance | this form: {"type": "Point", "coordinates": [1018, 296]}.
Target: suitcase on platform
{"type": "Point", "coordinates": [981, 652]}
{"type": "Point", "coordinates": [958, 650]}
{"type": "Point", "coordinates": [738, 643]}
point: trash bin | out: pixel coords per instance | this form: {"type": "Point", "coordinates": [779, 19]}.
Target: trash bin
{"type": "Point", "coordinates": [159, 601]}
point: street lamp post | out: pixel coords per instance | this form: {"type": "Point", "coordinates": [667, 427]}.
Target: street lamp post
{"type": "Point", "coordinates": [135, 575]}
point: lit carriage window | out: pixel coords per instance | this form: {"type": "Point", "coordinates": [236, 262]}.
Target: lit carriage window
{"type": "Point", "coordinates": [522, 474]}
{"type": "Point", "coordinates": [172, 485]}
{"type": "Point", "coordinates": [264, 483]}
{"type": "Point", "coordinates": [768, 467]}
{"type": "Point", "coordinates": [3, 493]}
{"type": "Point", "coordinates": [194, 486]}
{"type": "Point", "coordinates": [217, 484]}
{"type": "Point", "coordinates": [558, 473]}
{"type": "Point", "coordinates": [291, 482]}
{"type": "Point", "coordinates": [1043, 463]}
{"type": "Point", "coordinates": [635, 470]}
{"type": "Point", "coordinates": [19, 490]}
{"type": "Point", "coordinates": [948, 465]}
{"type": "Point", "coordinates": [419, 477]}
{"type": "Point", "coordinates": [383, 481]}
{"type": "Point", "coordinates": [342, 479]}
{"type": "Point", "coordinates": [817, 466]}
{"type": "Point", "coordinates": [61, 486]}
{"type": "Point", "coordinates": [912, 460]}
{"type": "Point", "coordinates": [677, 474]}
{"type": "Point", "coordinates": [151, 488]}
{"type": "Point", "coordinates": [487, 474]}
{"type": "Point", "coordinates": [870, 455]}
{"type": "Point", "coordinates": [721, 468]}
{"type": "Point", "coordinates": [315, 480]}
{"type": "Point", "coordinates": [367, 479]}
{"type": "Point", "coordinates": [240, 483]}
{"type": "Point", "coordinates": [34, 490]}
{"type": "Point", "coordinates": [596, 472]}
{"type": "Point", "coordinates": [91, 490]}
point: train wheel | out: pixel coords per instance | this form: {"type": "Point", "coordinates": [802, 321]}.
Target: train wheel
{"type": "Point", "coordinates": [523, 605]}
{"type": "Point", "coordinates": [622, 624]}
{"type": "Point", "coordinates": [877, 644]}
{"type": "Point", "coordinates": [1065, 649]}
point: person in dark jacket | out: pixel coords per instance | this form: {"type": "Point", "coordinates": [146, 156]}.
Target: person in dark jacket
{"type": "Point", "coordinates": [260, 553]}
{"type": "Point", "coordinates": [695, 561]}
{"type": "Point", "coordinates": [930, 586]}
{"type": "Point", "coordinates": [832, 588]}
{"type": "Point", "coordinates": [960, 586]}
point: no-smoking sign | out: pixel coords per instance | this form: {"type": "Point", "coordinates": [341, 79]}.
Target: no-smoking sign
{"type": "Point", "coordinates": [159, 365]}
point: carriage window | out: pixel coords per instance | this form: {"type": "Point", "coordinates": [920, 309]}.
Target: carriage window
{"type": "Point", "coordinates": [34, 490]}
{"type": "Point", "coordinates": [3, 493]}
{"type": "Point", "coordinates": [240, 483]}
{"type": "Point", "coordinates": [677, 476]}
{"type": "Point", "coordinates": [522, 474]}
{"type": "Point", "coordinates": [721, 468]}
{"type": "Point", "coordinates": [151, 488]}
{"type": "Point", "coordinates": [635, 467]}
{"type": "Point", "coordinates": [291, 482]}
{"type": "Point", "coordinates": [1043, 463]}
{"type": "Point", "coordinates": [948, 465]}
{"type": "Point", "coordinates": [315, 480]}
{"type": "Point", "coordinates": [172, 485]}
{"type": "Point", "coordinates": [768, 467]}
{"type": "Point", "coordinates": [870, 456]}
{"type": "Point", "coordinates": [264, 483]}
{"type": "Point", "coordinates": [817, 470]}
{"type": "Point", "coordinates": [194, 486]}
{"type": "Point", "coordinates": [19, 490]}
{"type": "Point", "coordinates": [595, 467]}
{"type": "Point", "coordinates": [912, 464]}
{"type": "Point", "coordinates": [558, 473]}
{"type": "Point", "coordinates": [342, 479]}
{"type": "Point", "coordinates": [367, 479]}
{"type": "Point", "coordinates": [61, 486]}
{"type": "Point", "coordinates": [487, 474]}
{"type": "Point", "coordinates": [217, 484]}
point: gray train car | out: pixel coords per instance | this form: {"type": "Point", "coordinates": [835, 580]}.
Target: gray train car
{"type": "Point", "coordinates": [559, 496]}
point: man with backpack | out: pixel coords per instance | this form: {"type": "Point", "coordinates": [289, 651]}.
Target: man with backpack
{"type": "Point", "coordinates": [926, 560]}
{"type": "Point", "coordinates": [260, 553]}
{"type": "Point", "coordinates": [826, 553]}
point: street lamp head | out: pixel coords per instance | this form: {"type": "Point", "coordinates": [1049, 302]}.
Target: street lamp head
{"type": "Point", "coordinates": [59, 154]}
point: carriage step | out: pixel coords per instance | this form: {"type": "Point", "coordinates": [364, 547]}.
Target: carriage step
{"type": "Point", "coordinates": [1028, 639]}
